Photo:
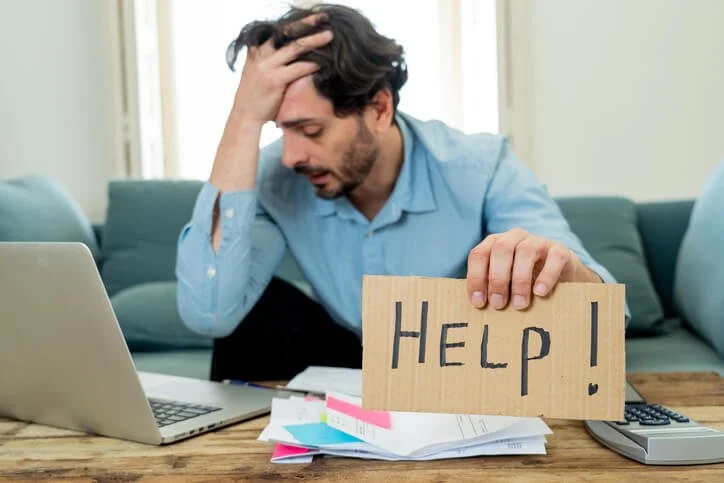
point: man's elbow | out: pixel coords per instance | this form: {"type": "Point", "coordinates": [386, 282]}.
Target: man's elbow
{"type": "Point", "coordinates": [209, 324]}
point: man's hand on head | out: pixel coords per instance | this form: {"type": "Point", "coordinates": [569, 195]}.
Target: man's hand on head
{"type": "Point", "coordinates": [268, 71]}
{"type": "Point", "coordinates": [513, 266]}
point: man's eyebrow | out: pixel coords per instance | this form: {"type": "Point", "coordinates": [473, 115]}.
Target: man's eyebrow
{"type": "Point", "coordinates": [297, 122]}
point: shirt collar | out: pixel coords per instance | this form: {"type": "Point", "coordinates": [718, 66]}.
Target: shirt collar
{"type": "Point", "coordinates": [324, 207]}
{"type": "Point", "coordinates": [413, 190]}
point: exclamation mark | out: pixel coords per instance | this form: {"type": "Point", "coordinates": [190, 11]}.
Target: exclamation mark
{"type": "Point", "coordinates": [593, 388]}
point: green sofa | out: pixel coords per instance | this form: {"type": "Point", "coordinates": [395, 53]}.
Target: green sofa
{"type": "Point", "coordinates": [135, 250]}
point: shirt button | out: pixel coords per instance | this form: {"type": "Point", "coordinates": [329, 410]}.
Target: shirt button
{"type": "Point", "coordinates": [370, 233]}
{"type": "Point", "coordinates": [229, 213]}
{"type": "Point", "coordinates": [211, 272]}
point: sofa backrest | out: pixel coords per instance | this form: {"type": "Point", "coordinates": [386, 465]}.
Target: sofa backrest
{"type": "Point", "coordinates": [662, 226]}
{"type": "Point", "coordinates": [140, 234]}
{"type": "Point", "coordinates": [40, 209]}
{"type": "Point", "coordinates": [608, 229]}
{"type": "Point", "coordinates": [145, 218]}
{"type": "Point", "coordinates": [142, 226]}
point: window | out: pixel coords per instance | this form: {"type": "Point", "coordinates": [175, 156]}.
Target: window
{"type": "Point", "coordinates": [451, 55]}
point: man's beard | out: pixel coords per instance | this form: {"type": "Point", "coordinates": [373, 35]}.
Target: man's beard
{"type": "Point", "coordinates": [357, 162]}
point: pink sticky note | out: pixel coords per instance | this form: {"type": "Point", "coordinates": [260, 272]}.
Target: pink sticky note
{"type": "Point", "coordinates": [286, 451]}
{"type": "Point", "coordinates": [378, 418]}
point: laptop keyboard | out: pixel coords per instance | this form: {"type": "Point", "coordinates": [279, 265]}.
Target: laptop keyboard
{"type": "Point", "coordinates": [171, 412]}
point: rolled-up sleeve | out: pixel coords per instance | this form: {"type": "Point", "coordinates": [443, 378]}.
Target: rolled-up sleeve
{"type": "Point", "coordinates": [516, 199]}
{"type": "Point", "coordinates": [217, 290]}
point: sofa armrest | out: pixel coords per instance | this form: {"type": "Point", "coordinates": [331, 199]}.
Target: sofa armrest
{"type": "Point", "coordinates": [98, 232]}
{"type": "Point", "coordinates": [662, 225]}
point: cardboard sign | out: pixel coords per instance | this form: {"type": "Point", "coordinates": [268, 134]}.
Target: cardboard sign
{"type": "Point", "coordinates": [426, 348]}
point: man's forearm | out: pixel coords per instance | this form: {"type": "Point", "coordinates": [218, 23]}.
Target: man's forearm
{"type": "Point", "coordinates": [236, 161]}
{"type": "Point", "coordinates": [237, 155]}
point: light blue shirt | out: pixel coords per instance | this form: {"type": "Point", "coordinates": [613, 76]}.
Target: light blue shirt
{"type": "Point", "coordinates": [453, 189]}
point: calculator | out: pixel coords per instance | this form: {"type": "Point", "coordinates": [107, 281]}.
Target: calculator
{"type": "Point", "coordinates": [654, 434]}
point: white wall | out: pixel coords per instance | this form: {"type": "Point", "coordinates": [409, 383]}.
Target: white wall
{"type": "Point", "coordinates": [627, 96]}
{"type": "Point", "coordinates": [54, 96]}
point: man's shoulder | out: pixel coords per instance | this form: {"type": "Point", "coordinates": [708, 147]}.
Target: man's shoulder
{"type": "Point", "coordinates": [270, 160]}
{"type": "Point", "coordinates": [274, 180]}
{"type": "Point", "coordinates": [271, 168]}
{"type": "Point", "coordinates": [453, 148]}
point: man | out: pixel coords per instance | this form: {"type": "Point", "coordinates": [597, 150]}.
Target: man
{"type": "Point", "coordinates": [353, 188]}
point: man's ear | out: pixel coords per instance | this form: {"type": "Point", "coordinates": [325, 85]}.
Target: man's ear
{"type": "Point", "coordinates": [380, 111]}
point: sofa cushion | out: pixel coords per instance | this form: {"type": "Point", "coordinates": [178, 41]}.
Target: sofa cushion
{"type": "Point", "coordinates": [607, 226]}
{"type": "Point", "coordinates": [194, 363]}
{"type": "Point", "coordinates": [37, 208]}
{"type": "Point", "coordinates": [143, 222]}
{"type": "Point", "coordinates": [699, 282]}
{"type": "Point", "coordinates": [150, 321]}
{"type": "Point", "coordinates": [677, 351]}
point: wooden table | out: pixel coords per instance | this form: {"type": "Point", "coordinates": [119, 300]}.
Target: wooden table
{"type": "Point", "coordinates": [31, 452]}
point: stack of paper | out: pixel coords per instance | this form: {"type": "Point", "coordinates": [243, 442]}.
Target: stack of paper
{"type": "Point", "coordinates": [337, 425]}
{"type": "Point", "coordinates": [320, 379]}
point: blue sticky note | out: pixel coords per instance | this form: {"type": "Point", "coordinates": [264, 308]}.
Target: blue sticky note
{"type": "Point", "coordinates": [319, 434]}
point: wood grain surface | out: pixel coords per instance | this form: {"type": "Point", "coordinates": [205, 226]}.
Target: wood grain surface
{"type": "Point", "coordinates": [30, 452]}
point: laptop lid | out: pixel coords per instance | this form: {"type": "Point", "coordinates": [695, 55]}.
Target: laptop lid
{"type": "Point", "coordinates": [63, 359]}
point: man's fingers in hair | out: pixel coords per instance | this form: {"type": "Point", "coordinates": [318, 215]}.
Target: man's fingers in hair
{"type": "Point", "coordinates": [267, 48]}
{"type": "Point", "coordinates": [298, 28]}
{"type": "Point", "coordinates": [296, 70]}
{"type": "Point", "coordinates": [294, 49]}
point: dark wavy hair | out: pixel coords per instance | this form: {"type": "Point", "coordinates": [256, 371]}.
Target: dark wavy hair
{"type": "Point", "coordinates": [354, 66]}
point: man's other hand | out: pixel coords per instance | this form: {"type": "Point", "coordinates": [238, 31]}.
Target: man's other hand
{"type": "Point", "coordinates": [512, 266]}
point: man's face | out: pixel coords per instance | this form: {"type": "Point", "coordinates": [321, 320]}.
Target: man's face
{"type": "Point", "coordinates": [335, 154]}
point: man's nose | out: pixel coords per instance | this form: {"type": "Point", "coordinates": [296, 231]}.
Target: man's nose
{"type": "Point", "coordinates": [292, 153]}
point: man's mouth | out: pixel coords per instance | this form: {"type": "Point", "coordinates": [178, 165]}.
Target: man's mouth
{"type": "Point", "coordinates": [315, 175]}
{"type": "Point", "coordinates": [319, 178]}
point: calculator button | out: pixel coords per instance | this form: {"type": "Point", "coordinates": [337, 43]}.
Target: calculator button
{"type": "Point", "coordinates": [655, 422]}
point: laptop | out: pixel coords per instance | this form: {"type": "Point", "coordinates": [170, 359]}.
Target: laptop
{"type": "Point", "coordinates": [64, 361]}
